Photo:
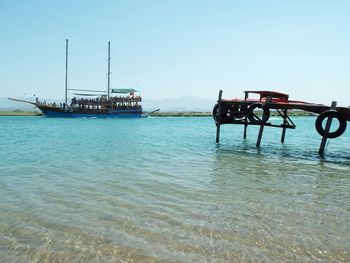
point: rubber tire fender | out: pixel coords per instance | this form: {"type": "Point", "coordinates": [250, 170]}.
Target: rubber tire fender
{"type": "Point", "coordinates": [266, 113]}
{"type": "Point", "coordinates": [215, 112]}
{"type": "Point", "coordinates": [334, 114]}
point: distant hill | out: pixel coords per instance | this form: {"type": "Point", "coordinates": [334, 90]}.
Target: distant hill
{"type": "Point", "coordinates": [181, 104]}
{"type": "Point", "coordinates": [9, 105]}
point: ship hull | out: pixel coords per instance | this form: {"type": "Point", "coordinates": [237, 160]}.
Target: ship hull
{"type": "Point", "coordinates": [89, 113]}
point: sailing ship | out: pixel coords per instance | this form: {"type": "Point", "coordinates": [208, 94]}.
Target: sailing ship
{"type": "Point", "coordinates": [126, 103]}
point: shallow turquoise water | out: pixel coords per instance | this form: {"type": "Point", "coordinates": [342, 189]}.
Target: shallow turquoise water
{"type": "Point", "coordinates": [160, 189]}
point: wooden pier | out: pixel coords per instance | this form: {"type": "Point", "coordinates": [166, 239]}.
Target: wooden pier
{"type": "Point", "coordinates": [249, 111]}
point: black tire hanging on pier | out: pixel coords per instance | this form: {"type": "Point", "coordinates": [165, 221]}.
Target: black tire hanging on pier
{"type": "Point", "coordinates": [215, 112]}
{"type": "Point", "coordinates": [255, 119]}
{"type": "Point", "coordinates": [335, 115]}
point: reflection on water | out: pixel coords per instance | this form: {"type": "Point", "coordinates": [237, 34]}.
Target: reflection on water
{"type": "Point", "coordinates": [156, 190]}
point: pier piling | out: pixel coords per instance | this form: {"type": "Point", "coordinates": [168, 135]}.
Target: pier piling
{"type": "Point", "coordinates": [218, 120]}
{"type": "Point", "coordinates": [284, 114]}
{"type": "Point", "coordinates": [261, 130]}
{"type": "Point", "coordinates": [327, 128]}
{"type": "Point", "coordinates": [245, 119]}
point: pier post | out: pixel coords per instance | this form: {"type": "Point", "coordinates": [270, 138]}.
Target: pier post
{"type": "Point", "coordinates": [327, 128]}
{"type": "Point", "coordinates": [218, 119]}
{"type": "Point", "coordinates": [284, 123]}
{"type": "Point", "coordinates": [260, 135]}
{"type": "Point", "coordinates": [245, 118]}
{"type": "Point", "coordinates": [261, 130]}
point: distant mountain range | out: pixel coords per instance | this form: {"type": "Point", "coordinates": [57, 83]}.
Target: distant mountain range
{"type": "Point", "coordinates": [9, 105]}
{"type": "Point", "coordinates": [181, 104]}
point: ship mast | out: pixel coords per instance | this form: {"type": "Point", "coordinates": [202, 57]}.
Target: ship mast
{"type": "Point", "coordinates": [66, 82]}
{"type": "Point", "coordinates": [109, 67]}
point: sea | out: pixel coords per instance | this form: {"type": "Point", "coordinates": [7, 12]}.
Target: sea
{"type": "Point", "coordinates": [160, 189]}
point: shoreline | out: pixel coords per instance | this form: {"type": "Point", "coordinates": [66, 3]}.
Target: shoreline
{"type": "Point", "coordinates": [209, 114]}
{"type": "Point", "coordinates": [155, 114]}
{"type": "Point", "coordinates": [20, 113]}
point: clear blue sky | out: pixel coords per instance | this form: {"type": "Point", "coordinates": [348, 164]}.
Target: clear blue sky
{"type": "Point", "coordinates": [176, 48]}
